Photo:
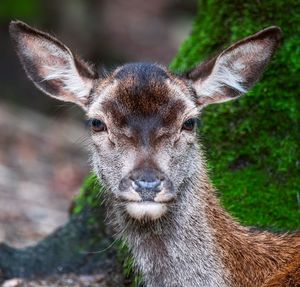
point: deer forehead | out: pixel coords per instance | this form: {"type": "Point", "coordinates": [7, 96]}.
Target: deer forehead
{"type": "Point", "coordinates": [138, 94]}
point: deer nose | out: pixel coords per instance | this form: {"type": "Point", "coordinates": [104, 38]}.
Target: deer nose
{"type": "Point", "coordinates": [147, 184]}
{"type": "Point", "coordinates": [144, 184]}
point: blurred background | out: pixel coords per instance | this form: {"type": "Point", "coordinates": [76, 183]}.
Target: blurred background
{"type": "Point", "coordinates": [43, 158]}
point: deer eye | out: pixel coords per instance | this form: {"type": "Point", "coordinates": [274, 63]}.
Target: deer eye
{"type": "Point", "coordinates": [97, 125]}
{"type": "Point", "coordinates": [189, 124]}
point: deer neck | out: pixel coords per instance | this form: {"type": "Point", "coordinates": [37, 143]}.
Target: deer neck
{"type": "Point", "coordinates": [179, 250]}
{"type": "Point", "coordinates": [199, 244]}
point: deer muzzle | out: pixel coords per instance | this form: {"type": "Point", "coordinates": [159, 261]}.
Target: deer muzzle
{"type": "Point", "coordinates": [147, 185]}
{"type": "Point", "coordinates": [147, 193]}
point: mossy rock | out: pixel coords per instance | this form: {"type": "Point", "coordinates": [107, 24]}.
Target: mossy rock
{"type": "Point", "coordinates": [83, 246]}
{"type": "Point", "coordinates": [90, 197]}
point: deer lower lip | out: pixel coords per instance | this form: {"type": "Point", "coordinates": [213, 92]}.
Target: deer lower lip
{"type": "Point", "coordinates": [146, 209]}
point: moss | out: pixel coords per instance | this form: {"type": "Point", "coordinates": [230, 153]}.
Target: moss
{"type": "Point", "coordinates": [89, 195]}
{"type": "Point", "coordinates": [20, 9]}
{"type": "Point", "coordinates": [253, 142]}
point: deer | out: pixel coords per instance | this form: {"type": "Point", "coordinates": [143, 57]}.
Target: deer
{"type": "Point", "coordinates": [145, 151]}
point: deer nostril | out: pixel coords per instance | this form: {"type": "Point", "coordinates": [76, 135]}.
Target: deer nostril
{"type": "Point", "coordinates": [147, 184]}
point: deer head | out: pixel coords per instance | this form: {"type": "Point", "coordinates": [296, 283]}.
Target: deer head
{"type": "Point", "coordinates": [143, 117]}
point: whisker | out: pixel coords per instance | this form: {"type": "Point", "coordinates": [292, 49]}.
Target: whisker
{"type": "Point", "coordinates": [102, 250]}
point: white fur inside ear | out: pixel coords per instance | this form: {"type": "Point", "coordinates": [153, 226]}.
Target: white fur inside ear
{"type": "Point", "coordinates": [71, 79]}
{"type": "Point", "coordinates": [224, 77]}
{"type": "Point", "coordinates": [146, 210]}
{"type": "Point", "coordinates": [231, 70]}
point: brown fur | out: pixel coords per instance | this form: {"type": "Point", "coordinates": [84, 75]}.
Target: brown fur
{"type": "Point", "coordinates": [142, 89]}
{"type": "Point", "coordinates": [252, 256]}
{"type": "Point", "coordinates": [287, 276]}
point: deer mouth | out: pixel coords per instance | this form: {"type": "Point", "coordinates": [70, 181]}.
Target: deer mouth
{"type": "Point", "coordinates": [162, 197]}
{"type": "Point", "coordinates": [146, 210]}
{"type": "Point", "coordinates": [141, 209]}
{"type": "Point", "coordinates": [146, 193]}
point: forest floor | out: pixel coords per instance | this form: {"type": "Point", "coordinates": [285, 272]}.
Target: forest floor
{"type": "Point", "coordinates": [70, 280]}
{"type": "Point", "coordinates": [42, 164]}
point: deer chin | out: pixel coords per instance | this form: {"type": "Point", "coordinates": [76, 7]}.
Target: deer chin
{"type": "Point", "coordinates": [146, 210]}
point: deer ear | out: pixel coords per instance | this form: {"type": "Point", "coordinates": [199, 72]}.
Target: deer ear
{"type": "Point", "coordinates": [51, 65]}
{"type": "Point", "coordinates": [235, 70]}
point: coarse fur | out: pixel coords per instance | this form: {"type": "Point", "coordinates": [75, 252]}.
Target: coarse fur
{"type": "Point", "coordinates": [145, 150]}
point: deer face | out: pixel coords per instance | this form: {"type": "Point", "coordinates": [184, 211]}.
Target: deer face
{"type": "Point", "coordinates": [142, 117]}
{"type": "Point", "coordinates": [147, 142]}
